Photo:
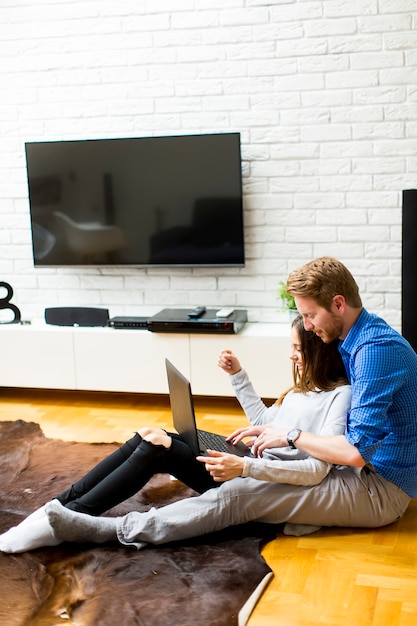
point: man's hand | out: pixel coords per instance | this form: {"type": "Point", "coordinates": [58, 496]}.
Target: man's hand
{"type": "Point", "coordinates": [269, 438]}
{"type": "Point", "coordinates": [222, 466]}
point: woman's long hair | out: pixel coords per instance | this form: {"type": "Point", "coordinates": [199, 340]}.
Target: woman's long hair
{"type": "Point", "coordinates": [323, 368]}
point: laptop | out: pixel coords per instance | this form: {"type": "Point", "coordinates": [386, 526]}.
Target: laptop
{"type": "Point", "coordinates": [183, 415]}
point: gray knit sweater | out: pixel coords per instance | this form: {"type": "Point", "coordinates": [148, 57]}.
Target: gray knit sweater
{"type": "Point", "coordinates": [323, 413]}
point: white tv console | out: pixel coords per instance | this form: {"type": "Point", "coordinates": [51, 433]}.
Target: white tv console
{"type": "Point", "coordinates": [132, 360]}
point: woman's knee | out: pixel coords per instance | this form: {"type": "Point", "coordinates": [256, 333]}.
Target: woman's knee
{"type": "Point", "coordinates": [145, 431]}
{"type": "Point", "coordinates": [157, 437]}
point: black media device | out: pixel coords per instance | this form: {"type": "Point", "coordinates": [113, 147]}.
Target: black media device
{"type": "Point", "coordinates": [129, 322]}
{"type": "Point", "coordinates": [142, 201]}
{"type": "Point", "coordinates": [178, 321]}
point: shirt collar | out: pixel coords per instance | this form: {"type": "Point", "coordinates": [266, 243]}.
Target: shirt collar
{"type": "Point", "coordinates": [351, 338]}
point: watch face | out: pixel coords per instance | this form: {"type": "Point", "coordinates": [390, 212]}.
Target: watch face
{"type": "Point", "coordinates": [292, 436]}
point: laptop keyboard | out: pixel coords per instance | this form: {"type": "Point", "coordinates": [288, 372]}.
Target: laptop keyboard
{"type": "Point", "coordinates": [213, 441]}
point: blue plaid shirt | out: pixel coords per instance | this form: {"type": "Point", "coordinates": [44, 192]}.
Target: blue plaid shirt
{"type": "Point", "coordinates": [382, 421]}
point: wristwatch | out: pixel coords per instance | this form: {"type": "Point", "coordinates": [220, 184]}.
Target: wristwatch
{"type": "Point", "coordinates": [292, 437]}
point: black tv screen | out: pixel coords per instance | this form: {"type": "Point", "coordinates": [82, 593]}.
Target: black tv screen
{"type": "Point", "coordinates": [145, 201]}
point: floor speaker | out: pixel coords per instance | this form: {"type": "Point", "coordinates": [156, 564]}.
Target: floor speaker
{"type": "Point", "coordinates": [409, 266]}
{"type": "Point", "coordinates": [76, 316]}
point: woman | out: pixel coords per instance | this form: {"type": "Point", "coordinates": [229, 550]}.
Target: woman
{"type": "Point", "coordinates": [319, 398]}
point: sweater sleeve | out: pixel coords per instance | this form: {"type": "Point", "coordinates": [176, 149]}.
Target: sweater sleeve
{"type": "Point", "coordinates": [255, 409]}
{"type": "Point", "coordinates": [309, 471]}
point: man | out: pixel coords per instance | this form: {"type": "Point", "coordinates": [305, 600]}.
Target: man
{"type": "Point", "coordinates": [374, 471]}
{"type": "Point", "coordinates": [381, 366]}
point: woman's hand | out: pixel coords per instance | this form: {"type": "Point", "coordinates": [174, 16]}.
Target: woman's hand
{"type": "Point", "coordinates": [229, 362]}
{"type": "Point", "coordinates": [222, 466]}
{"type": "Point", "coordinates": [247, 431]}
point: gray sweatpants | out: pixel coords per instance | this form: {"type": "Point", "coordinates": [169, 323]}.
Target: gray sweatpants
{"type": "Point", "coordinates": [346, 497]}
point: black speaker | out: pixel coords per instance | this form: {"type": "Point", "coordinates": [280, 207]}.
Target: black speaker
{"type": "Point", "coordinates": [409, 266]}
{"type": "Point", "coordinates": [76, 316]}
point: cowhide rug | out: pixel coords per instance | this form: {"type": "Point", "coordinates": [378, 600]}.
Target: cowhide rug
{"type": "Point", "coordinates": [213, 580]}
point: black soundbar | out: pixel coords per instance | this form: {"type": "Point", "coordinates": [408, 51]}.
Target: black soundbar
{"type": "Point", "coordinates": [76, 316]}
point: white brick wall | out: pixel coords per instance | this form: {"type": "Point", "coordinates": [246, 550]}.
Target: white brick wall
{"type": "Point", "coordinates": [323, 92]}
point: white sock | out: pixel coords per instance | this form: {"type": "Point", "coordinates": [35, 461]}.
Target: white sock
{"type": "Point", "coordinates": [29, 535]}
{"type": "Point", "coordinates": [16, 531]}
{"type": "Point", "coordinates": [34, 516]}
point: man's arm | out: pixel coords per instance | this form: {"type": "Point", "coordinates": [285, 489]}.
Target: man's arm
{"type": "Point", "coordinates": [334, 449]}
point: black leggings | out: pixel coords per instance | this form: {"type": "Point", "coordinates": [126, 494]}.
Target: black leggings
{"type": "Point", "coordinates": [120, 475]}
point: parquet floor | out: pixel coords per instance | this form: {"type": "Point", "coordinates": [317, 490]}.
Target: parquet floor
{"type": "Point", "coordinates": [336, 577]}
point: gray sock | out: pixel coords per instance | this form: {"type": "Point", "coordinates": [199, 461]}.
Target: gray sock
{"type": "Point", "coordinates": [69, 525]}
{"type": "Point", "coordinates": [298, 530]}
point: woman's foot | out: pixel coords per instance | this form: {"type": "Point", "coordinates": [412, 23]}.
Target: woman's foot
{"type": "Point", "coordinates": [33, 532]}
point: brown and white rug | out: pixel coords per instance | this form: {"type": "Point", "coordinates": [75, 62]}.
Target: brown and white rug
{"type": "Point", "coordinates": [213, 580]}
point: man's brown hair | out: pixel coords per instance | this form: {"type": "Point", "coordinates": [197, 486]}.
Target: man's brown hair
{"type": "Point", "coordinates": [322, 279]}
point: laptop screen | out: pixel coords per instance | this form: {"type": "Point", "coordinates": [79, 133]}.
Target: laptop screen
{"type": "Point", "coordinates": [182, 406]}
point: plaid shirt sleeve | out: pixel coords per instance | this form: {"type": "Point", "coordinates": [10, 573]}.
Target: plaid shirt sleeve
{"type": "Point", "coordinates": [382, 421]}
{"type": "Point", "coordinates": [379, 371]}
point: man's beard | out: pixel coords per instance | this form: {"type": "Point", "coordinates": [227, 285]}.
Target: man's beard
{"type": "Point", "coordinates": [332, 331]}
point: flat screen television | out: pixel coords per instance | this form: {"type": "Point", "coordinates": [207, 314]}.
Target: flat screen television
{"type": "Point", "coordinates": [144, 201]}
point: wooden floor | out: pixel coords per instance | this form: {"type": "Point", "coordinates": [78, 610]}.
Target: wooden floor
{"type": "Point", "coordinates": [336, 577]}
